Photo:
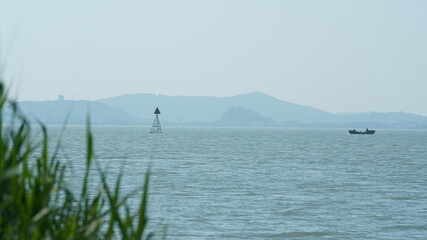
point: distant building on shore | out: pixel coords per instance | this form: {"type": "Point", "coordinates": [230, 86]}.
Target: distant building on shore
{"type": "Point", "coordinates": [61, 98]}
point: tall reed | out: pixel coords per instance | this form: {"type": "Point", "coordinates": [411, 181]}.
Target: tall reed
{"type": "Point", "coordinates": [36, 204]}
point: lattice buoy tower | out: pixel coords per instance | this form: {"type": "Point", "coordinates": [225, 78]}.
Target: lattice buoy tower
{"type": "Point", "coordinates": [156, 128]}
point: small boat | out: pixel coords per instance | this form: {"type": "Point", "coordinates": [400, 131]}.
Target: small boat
{"type": "Point", "coordinates": [360, 132]}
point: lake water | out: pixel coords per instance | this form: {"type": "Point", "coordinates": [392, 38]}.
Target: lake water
{"type": "Point", "coordinates": [247, 183]}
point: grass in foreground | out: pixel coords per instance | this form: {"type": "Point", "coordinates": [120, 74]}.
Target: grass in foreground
{"type": "Point", "coordinates": [34, 201]}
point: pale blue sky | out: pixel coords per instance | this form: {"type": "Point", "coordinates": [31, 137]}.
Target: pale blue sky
{"type": "Point", "coordinates": [339, 56]}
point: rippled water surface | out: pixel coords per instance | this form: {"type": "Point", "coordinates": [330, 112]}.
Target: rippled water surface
{"type": "Point", "coordinates": [243, 183]}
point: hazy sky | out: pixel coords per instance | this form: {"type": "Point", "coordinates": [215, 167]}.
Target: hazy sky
{"type": "Point", "coordinates": [354, 56]}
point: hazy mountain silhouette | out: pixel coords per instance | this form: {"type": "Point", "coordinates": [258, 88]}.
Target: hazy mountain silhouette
{"type": "Point", "coordinates": [210, 109]}
{"type": "Point", "coordinates": [240, 110]}
{"type": "Point", "coordinates": [240, 116]}
{"type": "Point", "coordinates": [57, 112]}
{"type": "Point", "coordinates": [202, 110]}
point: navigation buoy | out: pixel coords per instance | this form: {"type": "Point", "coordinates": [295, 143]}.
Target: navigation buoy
{"type": "Point", "coordinates": [156, 128]}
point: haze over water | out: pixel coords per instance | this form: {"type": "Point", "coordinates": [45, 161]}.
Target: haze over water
{"type": "Point", "coordinates": [253, 183]}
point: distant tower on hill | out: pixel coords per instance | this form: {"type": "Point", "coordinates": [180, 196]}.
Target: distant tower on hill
{"type": "Point", "coordinates": [156, 128]}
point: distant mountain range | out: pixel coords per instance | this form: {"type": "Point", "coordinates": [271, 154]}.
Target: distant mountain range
{"type": "Point", "coordinates": [252, 109]}
{"type": "Point", "coordinates": [75, 112]}
{"type": "Point", "coordinates": [210, 109]}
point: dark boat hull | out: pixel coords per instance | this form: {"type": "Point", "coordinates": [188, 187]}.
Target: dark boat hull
{"type": "Point", "coordinates": [360, 132]}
